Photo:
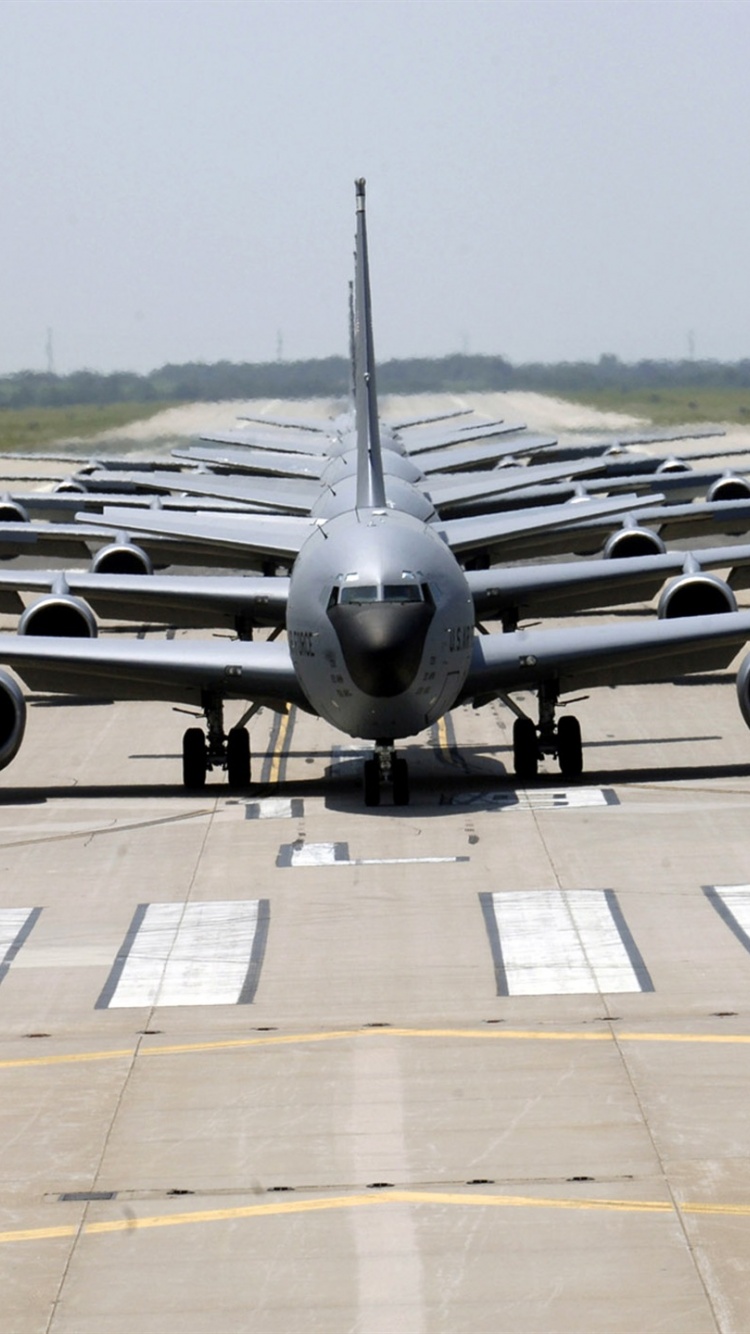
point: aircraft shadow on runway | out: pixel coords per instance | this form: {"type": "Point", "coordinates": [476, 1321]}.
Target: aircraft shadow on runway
{"type": "Point", "coordinates": [430, 796]}
{"type": "Point", "coordinates": [438, 778]}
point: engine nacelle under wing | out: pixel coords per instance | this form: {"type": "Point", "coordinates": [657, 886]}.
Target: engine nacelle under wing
{"type": "Point", "coordinates": [635, 541]}
{"type": "Point", "coordinates": [698, 594]}
{"type": "Point", "coordinates": [11, 511]}
{"type": "Point", "coordinates": [121, 558]}
{"type": "Point", "coordinates": [743, 688]}
{"type": "Point", "coordinates": [12, 718]}
{"type": "Point", "coordinates": [59, 615]}
{"type": "Point", "coordinates": [730, 487]}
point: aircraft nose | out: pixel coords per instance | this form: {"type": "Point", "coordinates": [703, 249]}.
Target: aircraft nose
{"type": "Point", "coordinates": [382, 643]}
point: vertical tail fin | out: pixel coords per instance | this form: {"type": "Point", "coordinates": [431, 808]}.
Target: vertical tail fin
{"type": "Point", "coordinates": [370, 484]}
{"type": "Point", "coordinates": [352, 351]}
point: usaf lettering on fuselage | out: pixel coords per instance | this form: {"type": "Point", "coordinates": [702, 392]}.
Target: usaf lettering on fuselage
{"type": "Point", "coordinates": [459, 638]}
{"type": "Point", "coordinates": [302, 643]}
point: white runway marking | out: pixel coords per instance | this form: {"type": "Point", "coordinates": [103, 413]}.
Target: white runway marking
{"type": "Point", "coordinates": [15, 927]}
{"type": "Point", "coordinates": [732, 902]}
{"type": "Point", "coordinates": [561, 942]}
{"type": "Point", "coordinates": [315, 854]}
{"type": "Point", "coordinates": [537, 799]}
{"type": "Point", "coordinates": [194, 954]}
{"type": "Point", "coordinates": [274, 808]}
{"type": "Point", "coordinates": [344, 759]}
{"type": "Point", "coordinates": [337, 854]}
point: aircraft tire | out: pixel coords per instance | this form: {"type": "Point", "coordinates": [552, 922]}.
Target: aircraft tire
{"type": "Point", "coordinates": [238, 757]}
{"type": "Point", "coordinates": [569, 747]}
{"type": "Point", "coordinates": [525, 748]}
{"type": "Point", "coordinates": [400, 778]}
{"type": "Point", "coordinates": [194, 759]}
{"type": "Point", "coordinates": [371, 775]}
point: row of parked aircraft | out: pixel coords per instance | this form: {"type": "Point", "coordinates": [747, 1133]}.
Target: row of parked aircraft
{"type": "Point", "coordinates": [382, 551]}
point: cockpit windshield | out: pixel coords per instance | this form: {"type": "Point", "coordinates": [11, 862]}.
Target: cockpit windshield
{"type": "Point", "coordinates": [359, 593]}
{"type": "Point", "coordinates": [402, 593]}
{"type": "Point", "coordinates": [354, 594]}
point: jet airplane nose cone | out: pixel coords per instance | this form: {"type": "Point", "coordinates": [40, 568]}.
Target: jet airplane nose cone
{"type": "Point", "coordinates": [382, 643]}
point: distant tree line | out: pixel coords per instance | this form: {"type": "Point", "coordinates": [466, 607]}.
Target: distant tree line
{"type": "Point", "coordinates": [329, 378]}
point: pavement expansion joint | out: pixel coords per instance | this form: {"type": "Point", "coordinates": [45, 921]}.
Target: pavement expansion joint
{"type": "Point", "coordinates": [258, 1189]}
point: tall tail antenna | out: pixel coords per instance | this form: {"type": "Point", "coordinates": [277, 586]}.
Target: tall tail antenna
{"type": "Point", "coordinates": [370, 484]}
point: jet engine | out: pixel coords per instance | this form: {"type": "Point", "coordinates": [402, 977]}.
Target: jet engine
{"type": "Point", "coordinates": [729, 487]}
{"type": "Point", "coordinates": [70, 486]}
{"type": "Point", "coordinates": [12, 718]}
{"type": "Point", "coordinates": [673, 465]}
{"type": "Point", "coordinates": [698, 594]}
{"type": "Point", "coordinates": [743, 688]}
{"type": "Point", "coordinates": [11, 511]}
{"type": "Point", "coordinates": [633, 541]}
{"type": "Point", "coordinates": [121, 558]}
{"type": "Point", "coordinates": [59, 615]}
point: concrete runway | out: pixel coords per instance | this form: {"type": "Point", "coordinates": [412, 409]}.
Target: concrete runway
{"type": "Point", "coordinates": [478, 1064]}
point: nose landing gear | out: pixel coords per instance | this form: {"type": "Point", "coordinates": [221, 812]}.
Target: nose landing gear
{"type": "Point", "coordinates": [386, 767]}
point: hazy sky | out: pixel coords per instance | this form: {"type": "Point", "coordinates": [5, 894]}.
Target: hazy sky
{"type": "Point", "coordinates": [547, 180]}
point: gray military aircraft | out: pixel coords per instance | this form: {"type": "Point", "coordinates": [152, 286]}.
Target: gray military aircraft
{"type": "Point", "coordinates": [381, 638]}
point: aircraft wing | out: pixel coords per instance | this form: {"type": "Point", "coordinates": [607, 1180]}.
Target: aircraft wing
{"type": "Point", "coordinates": [167, 538]}
{"type": "Point", "coordinates": [307, 425]}
{"type": "Point", "coordinates": [603, 655]}
{"type": "Point", "coordinates": [476, 454]}
{"type": "Point", "coordinates": [243, 539]}
{"type": "Point", "coordinates": [673, 523]}
{"type": "Point", "coordinates": [499, 534]}
{"type": "Point", "coordinates": [269, 463]}
{"type": "Point", "coordinates": [280, 494]}
{"type": "Point", "coordinates": [430, 440]}
{"type": "Point", "coordinates": [430, 420]}
{"type": "Point", "coordinates": [71, 541]}
{"type": "Point", "coordinates": [313, 445]}
{"type": "Point", "coordinates": [65, 504]}
{"type": "Point", "coordinates": [184, 600]}
{"type": "Point", "coordinates": [453, 489]}
{"type": "Point", "coordinates": [178, 670]}
{"type": "Point", "coordinates": [523, 535]}
{"type": "Point", "coordinates": [563, 588]}
{"type": "Point", "coordinates": [276, 535]}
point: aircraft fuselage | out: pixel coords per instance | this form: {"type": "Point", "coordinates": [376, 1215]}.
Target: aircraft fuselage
{"type": "Point", "coordinates": [380, 623]}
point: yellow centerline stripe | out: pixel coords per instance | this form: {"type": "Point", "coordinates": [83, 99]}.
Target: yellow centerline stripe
{"type": "Point", "coordinates": [346, 1034]}
{"type": "Point", "coordinates": [273, 774]}
{"type": "Point", "coordinates": [382, 1198]}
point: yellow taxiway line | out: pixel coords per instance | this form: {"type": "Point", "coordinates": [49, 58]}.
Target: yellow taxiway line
{"type": "Point", "coordinates": [349, 1034]}
{"type": "Point", "coordinates": [374, 1199]}
{"type": "Point", "coordinates": [273, 774]}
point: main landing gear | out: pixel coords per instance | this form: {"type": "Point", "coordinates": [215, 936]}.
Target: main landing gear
{"type": "Point", "coordinates": [218, 750]}
{"type": "Point", "coordinates": [386, 767]}
{"type": "Point", "coordinates": [562, 739]}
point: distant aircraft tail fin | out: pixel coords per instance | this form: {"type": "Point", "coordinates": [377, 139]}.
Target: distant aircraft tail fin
{"type": "Point", "coordinates": [370, 483]}
{"type": "Point", "coordinates": [352, 351]}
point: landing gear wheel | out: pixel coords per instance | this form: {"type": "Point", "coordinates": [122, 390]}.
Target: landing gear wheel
{"type": "Point", "coordinates": [194, 759]}
{"type": "Point", "coordinates": [525, 748]}
{"type": "Point", "coordinates": [400, 780]}
{"type": "Point", "coordinates": [569, 747]}
{"type": "Point", "coordinates": [238, 757]}
{"type": "Point", "coordinates": [372, 783]}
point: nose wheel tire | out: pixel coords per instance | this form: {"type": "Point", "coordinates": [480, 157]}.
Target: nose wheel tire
{"type": "Point", "coordinates": [371, 774]}
{"type": "Point", "coordinates": [194, 759]}
{"type": "Point", "coordinates": [525, 748]}
{"type": "Point", "coordinates": [400, 780]}
{"type": "Point", "coordinates": [569, 747]}
{"type": "Point", "coordinates": [238, 757]}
